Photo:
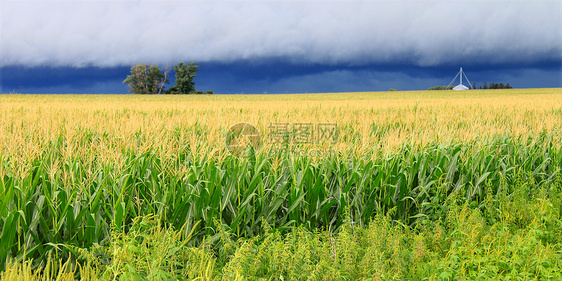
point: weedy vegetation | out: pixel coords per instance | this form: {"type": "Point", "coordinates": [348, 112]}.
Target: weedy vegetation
{"type": "Point", "coordinates": [432, 185]}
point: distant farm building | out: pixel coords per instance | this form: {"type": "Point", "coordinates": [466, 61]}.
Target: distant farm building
{"type": "Point", "coordinates": [460, 87]}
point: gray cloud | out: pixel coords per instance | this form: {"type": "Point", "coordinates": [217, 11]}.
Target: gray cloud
{"type": "Point", "coordinates": [423, 33]}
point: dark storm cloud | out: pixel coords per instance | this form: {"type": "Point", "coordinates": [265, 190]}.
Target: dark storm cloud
{"type": "Point", "coordinates": [14, 76]}
{"type": "Point", "coordinates": [279, 77]}
{"type": "Point", "coordinates": [45, 79]}
{"type": "Point", "coordinates": [421, 33]}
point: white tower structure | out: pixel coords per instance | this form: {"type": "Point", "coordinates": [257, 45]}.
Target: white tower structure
{"type": "Point", "coordinates": [460, 86]}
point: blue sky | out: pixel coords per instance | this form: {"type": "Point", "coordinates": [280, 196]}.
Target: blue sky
{"type": "Point", "coordinates": [259, 47]}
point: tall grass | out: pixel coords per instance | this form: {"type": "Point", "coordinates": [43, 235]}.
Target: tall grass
{"type": "Point", "coordinates": [512, 237]}
{"type": "Point", "coordinates": [75, 176]}
{"type": "Point", "coordinates": [78, 205]}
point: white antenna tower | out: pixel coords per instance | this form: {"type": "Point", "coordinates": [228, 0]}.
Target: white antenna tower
{"type": "Point", "coordinates": [461, 86]}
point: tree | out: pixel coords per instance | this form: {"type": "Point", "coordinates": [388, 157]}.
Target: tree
{"type": "Point", "coordinates": [494, 85]}
{"type": "Point", "coordinates": [184, 79]}
{"type": "Point", "coordinates": [435, 88]}
{"type": "Point", "coordinates": [146, 80]}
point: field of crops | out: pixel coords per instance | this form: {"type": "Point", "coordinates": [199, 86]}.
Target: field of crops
{"type": "Point", "coordinates": [436, 185]}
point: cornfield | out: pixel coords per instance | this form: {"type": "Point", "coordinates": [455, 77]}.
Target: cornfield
{"type": "Point", "coordinates": [77, 170]}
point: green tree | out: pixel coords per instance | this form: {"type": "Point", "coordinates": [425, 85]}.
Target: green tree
{"type": "Point", "coordinates": [146, 80]}
{"type": "Point", "coordinates": [435, 88]}
{"type": "Point", "coordinates": [184, 79]}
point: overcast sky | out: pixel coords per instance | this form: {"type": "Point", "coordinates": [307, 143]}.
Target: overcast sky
{"type": "Point", "coordinates": [280, 46]}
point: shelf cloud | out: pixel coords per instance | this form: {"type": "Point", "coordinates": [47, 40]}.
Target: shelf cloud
{"type": "Point", "coordinates": [355, 33]}
{"type": "Point", "coordinates": [279, 46]}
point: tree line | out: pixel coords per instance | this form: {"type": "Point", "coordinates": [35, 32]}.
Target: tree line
{"type": "Point", "coordinates": [493, 86]}
{"type": "Point", "coordinates": [435, 88]}
{"type": "Point", "coordinates": [483, 86]}
{"type": "Point", "coordinates": [150, 80]}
